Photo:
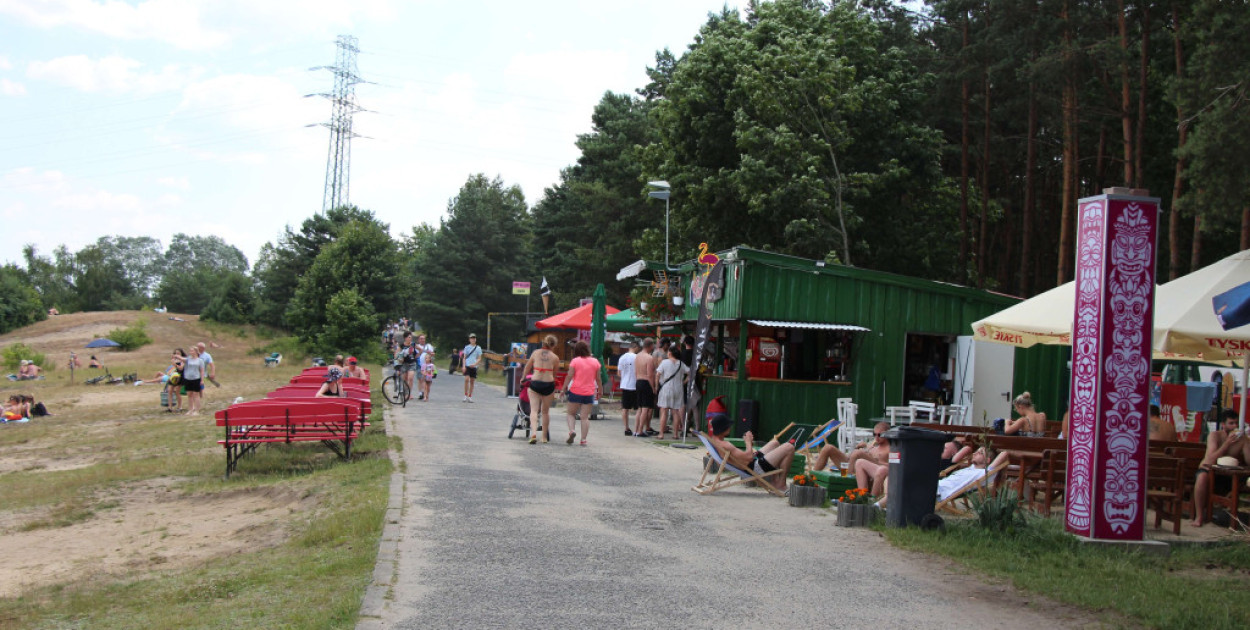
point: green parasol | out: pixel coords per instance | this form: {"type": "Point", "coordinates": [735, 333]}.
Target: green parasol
{"type": "Point", "coordinates": [597, 327]}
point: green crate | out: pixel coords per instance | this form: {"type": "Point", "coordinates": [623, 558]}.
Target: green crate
{"type": "Point", "coordinates": [836, 484]}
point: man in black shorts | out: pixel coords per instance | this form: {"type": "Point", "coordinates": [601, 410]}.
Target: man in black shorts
{"type": "Point", "coordinates": [644, 371]}
{"type": "Point", "coordinates": [470, 358]}
{"type": "Point", "coordinates": [629, 380]}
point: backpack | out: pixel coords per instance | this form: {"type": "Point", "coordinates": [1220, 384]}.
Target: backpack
{"type": "Point", "coordinates": [38, 410]}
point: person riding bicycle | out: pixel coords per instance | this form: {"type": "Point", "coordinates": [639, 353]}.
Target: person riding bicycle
{"type": "Point", "coordinates": [407, 358]}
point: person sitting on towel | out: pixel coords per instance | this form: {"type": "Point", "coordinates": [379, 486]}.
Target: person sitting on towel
{"type": "Point", "coordinates": [772, 456]}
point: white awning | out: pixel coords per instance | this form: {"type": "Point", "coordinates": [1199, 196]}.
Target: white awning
{"type": "Point", "coordinates": [814, 325]}
{"type": "Point", "coordinates": [631, 270]}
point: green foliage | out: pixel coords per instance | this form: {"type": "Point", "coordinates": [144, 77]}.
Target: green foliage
{"type": "Point", "coordinates": [132, 337]}
{"type": "Point", "coordinates": [141, 260]}
{"type": "Point", "coordinates": [290, 348]}
{"type": "Point", "coordinates": [14, 354]}
{"type": "Point", "coordinates": [20, 305]}
{"type": "Point", "coordinates": [364, 259]}
{"type": "Point", "coordinates": [187, 291]}
{"type": "Point", "coordinates": [351, 326]}
{"type": "Point", "coordinates": [234, 301]}
{"type": "Point", "coordinates": [468, 269]}
{"type": "Point", "coordinates": [998, 511]}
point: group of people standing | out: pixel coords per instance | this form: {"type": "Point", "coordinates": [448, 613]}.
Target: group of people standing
{"type": "Point", "coordinates": [653, 382]}
{"type": "Point", "coordinates": [415, 356]}
{"type": "Point", "coordinates": [186, 374]}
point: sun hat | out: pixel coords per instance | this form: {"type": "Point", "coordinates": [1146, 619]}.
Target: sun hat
{"type": "Point", "coordinates": [333, 374]}
{"type": "Point", "coordinates": [1227, 461]}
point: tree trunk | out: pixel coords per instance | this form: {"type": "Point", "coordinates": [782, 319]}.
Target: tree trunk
{"type": "Point", "coordinates": [963, 171]}
{"type": "Point", "coordinates": [1195, 251]}
{"type": "Point", "coordinates": [1100, 163]}
{"type": "Point", "coordinates": [1126, 119]}
{"type": "Point", "coordinates": [1174, 223]}
{"type": "Point", "coordinates": [1030, 199]}
{"type": "Point", "coordinates": [1140, 177]}
{"type": "Point", "coordinates": [1070, 154]}
{"type": "Point", "coordinates": [1245, 229]}
{"type": "Point", "coordinates": [984, 185]}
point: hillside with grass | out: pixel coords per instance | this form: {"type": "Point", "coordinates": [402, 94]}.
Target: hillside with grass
{"type": "Point", "coordinates": [115, 511]}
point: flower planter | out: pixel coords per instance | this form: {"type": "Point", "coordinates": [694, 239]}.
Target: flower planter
{"type": "Point", "coordinates": [857, 514]}
{"type": "Point", "coordinates": [806, 496]}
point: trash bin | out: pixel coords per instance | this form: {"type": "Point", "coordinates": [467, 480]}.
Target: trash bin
{"type": "Point", "coordinates": [512, 381]}
{"type": "Point", "coordinates": [915, 462]}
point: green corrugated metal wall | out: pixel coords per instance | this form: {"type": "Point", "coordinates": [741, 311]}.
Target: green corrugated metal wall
{"type": "Point", "coordinates": [762, 285]}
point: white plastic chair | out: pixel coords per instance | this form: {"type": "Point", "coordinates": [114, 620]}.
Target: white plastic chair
{"type": "Point", "coordinates": [956, 415]}
{"type": "Point", "coordinates": [923, 411]}
{"type": "Point", "coordinates": [893, 414]}
{"type": "Point", "coordinates": [848, 432]}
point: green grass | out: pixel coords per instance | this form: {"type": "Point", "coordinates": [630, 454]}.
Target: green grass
{"type": "Point", "coordinates": [1200, 587]}
{"type": "Point", "coordinates": [314, 579]}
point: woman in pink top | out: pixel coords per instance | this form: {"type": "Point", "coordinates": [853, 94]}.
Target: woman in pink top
{"type": "Point", "coordinates": [581, 388]}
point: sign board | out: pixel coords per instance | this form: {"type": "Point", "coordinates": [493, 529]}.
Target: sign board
{"type": "Point", "coordinates": [520, 288]}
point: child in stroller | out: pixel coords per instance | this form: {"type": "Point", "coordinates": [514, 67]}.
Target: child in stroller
{"type": "Point", "coordinates": [521, 419]}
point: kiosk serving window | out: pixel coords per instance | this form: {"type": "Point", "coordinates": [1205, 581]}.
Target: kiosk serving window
{"type": "Point", "coordinates": [801, 351]}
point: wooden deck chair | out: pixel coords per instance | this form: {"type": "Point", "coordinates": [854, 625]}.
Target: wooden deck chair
{"type": "Point", "coordinates": [718, 474]}
{"type": "Point", "coordinates": [983, 483]}
{"type": "Point", "coordinates": [818, 440]}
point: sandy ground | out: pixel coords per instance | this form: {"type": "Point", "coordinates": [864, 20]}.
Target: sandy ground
{"type": "Point", "coordinates": [505, 534]}
{"type": "Point", "coordinates": [151, 528]}
{"type": "Point", "coordinates": [138, 528]}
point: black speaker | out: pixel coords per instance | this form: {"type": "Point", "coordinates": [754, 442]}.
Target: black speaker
{"type": "Point", "coordinates": [748, 418]}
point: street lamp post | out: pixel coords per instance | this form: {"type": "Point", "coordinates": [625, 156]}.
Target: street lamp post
{"type": "Point", "coordinates": [664, 192]}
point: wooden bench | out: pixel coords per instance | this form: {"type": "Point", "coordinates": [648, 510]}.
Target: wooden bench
{"type": "Point", "coordinates": [306, 379]}
{"type": "Point", "coordinates": [300, 392]}
{"type": "Point", "coordinates": [336, 423]}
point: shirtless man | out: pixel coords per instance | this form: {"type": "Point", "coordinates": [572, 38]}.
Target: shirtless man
{"type": "Point", "coordinates": [872, 467]}
{"type": "Point", "coordinates": [1226, 442]}
{"type": "Point", "coordinates": [832, 453]}
{"type": "Point", "coordinates": [354, 370]}
{"type": "Point", "coordinates": [770, 457]}
{"type": "Point", "coordinates": [1160, 429]}
{"type": "Point", "coordinates": [644, 375]}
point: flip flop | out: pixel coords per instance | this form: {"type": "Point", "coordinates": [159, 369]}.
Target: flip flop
{"type": "Point", "coordinates": [572, 436]}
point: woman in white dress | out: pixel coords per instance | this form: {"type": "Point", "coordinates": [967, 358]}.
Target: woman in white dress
{"type": "Point", "coordinates": [670, 374]}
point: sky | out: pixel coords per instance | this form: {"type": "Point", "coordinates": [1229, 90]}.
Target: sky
{"type": "Point", "coordinates": [156, 117]}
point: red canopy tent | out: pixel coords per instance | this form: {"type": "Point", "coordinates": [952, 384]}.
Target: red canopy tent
{"type": "Point", "coordinates": [578, 318]}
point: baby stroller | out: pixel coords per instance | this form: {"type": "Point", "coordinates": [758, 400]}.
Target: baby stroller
{"type": "Point", "coordinates": [521, 419]}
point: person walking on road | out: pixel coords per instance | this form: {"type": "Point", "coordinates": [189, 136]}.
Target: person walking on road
{"type": "Point", "coordinates": [581, 388]}
{"type": "Point", "coordinates": [541, 367]}
{"type": "Point", "coordinates": [470, 357]}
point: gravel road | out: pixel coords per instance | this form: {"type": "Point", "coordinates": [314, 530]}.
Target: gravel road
{"type": "Point", "coordinates": [487, 532]}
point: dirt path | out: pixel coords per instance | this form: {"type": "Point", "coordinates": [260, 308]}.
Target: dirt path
{"type": "Point", "coordinates": [499, 533]}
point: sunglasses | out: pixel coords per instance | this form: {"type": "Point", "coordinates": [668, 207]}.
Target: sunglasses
{"type": "Point", "coordinates": [875, 434]}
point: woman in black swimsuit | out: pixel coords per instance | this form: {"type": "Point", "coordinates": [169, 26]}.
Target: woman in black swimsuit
{"type": "Point", "coordinates": [542, 369]}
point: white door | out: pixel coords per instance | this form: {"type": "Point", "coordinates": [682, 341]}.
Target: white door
{"type": "Point", "coordinates": [983, 377]}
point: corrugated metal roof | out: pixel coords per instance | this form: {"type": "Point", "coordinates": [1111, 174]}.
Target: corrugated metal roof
{"type": "Point", "coordinates": [816, 325]}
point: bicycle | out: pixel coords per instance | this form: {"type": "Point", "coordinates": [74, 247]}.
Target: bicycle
{"type": "Point", "coordinates": [395, 386]}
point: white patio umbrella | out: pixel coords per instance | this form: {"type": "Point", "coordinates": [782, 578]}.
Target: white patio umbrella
{"type": "Point", "coordinates": [1185, 319]}
{"type": "Point", "coordinates": [1045, 318]}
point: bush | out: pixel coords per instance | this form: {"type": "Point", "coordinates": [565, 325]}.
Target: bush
{"type": "Point", "coordinates": [132, 337]}
{"type": "Point", "coordinates": [998, 512]}
{"type": "Point", "coordinates": [14, 354]}
{"type": "Point", "coordinates": [289, 347]}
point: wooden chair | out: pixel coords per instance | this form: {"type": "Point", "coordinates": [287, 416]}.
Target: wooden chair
{"type": "Point", "coordinates": [718, 474]}
{"type": "Point", "coordinates": [818, 440]}
{"type": "Point", "coordinates": [1165, 489]}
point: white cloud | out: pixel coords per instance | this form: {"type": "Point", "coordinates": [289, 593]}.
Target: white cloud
{"type": "Point", "coordinates": [11, 88]}
{"type": "Point", "coordinates": [198, 24]}
{"type": "Point", "coordinates": [32, 181]}
{"type": "Point", "coordinates": [179, 183]}
{"type": "Point", "coordinates": [97, 201]}
{"type": "Point", "coordinates": [5, 64]}
{"type": "Point", "coordinates": [111, 74]}
{"type": "Point", "coordinates": [176, 22]}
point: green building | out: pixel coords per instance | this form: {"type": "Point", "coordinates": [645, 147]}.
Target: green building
{"type": "Point", "coordinates": [795, 335]}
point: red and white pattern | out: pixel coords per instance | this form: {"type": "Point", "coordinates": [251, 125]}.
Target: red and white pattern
{"type": "Point", "coordinates": [1112, 330]}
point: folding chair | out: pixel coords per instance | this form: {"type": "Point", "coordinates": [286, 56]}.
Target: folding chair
{"type": "Point", "coordinates": [961, 492]}
{"type": "Point", "coordinates": [819, 437]}
{"type": "Point", "coordinates": [718, 474]}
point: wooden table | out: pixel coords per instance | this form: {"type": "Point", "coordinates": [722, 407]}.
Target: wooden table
{"type": "Point", "coordinates": [1238, 474]}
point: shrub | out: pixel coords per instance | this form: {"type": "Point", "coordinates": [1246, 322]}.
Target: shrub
{"type": "Point", "coordinates": [289, 347]}
{"type": "Point", "coordinates": [132, 337]}
{"type": "Point", "coordinates": [14, 354]}
{"type": "Point", "coordinates": [998, 512]}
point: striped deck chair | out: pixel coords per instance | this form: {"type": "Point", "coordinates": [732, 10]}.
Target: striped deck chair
{"type": "Point", "coordinates": [818, 440]}
{"type": "Point", "coordinates": [718, 474]}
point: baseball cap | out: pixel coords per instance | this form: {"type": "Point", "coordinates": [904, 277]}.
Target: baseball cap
{"type": "Point", "coordinates": [472, 336]}
{"type": "Point", "coordinates": [351, 359]}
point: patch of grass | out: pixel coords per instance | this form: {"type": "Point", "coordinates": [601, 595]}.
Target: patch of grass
{"type": "Point", "coordinates": [1197, 587]}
